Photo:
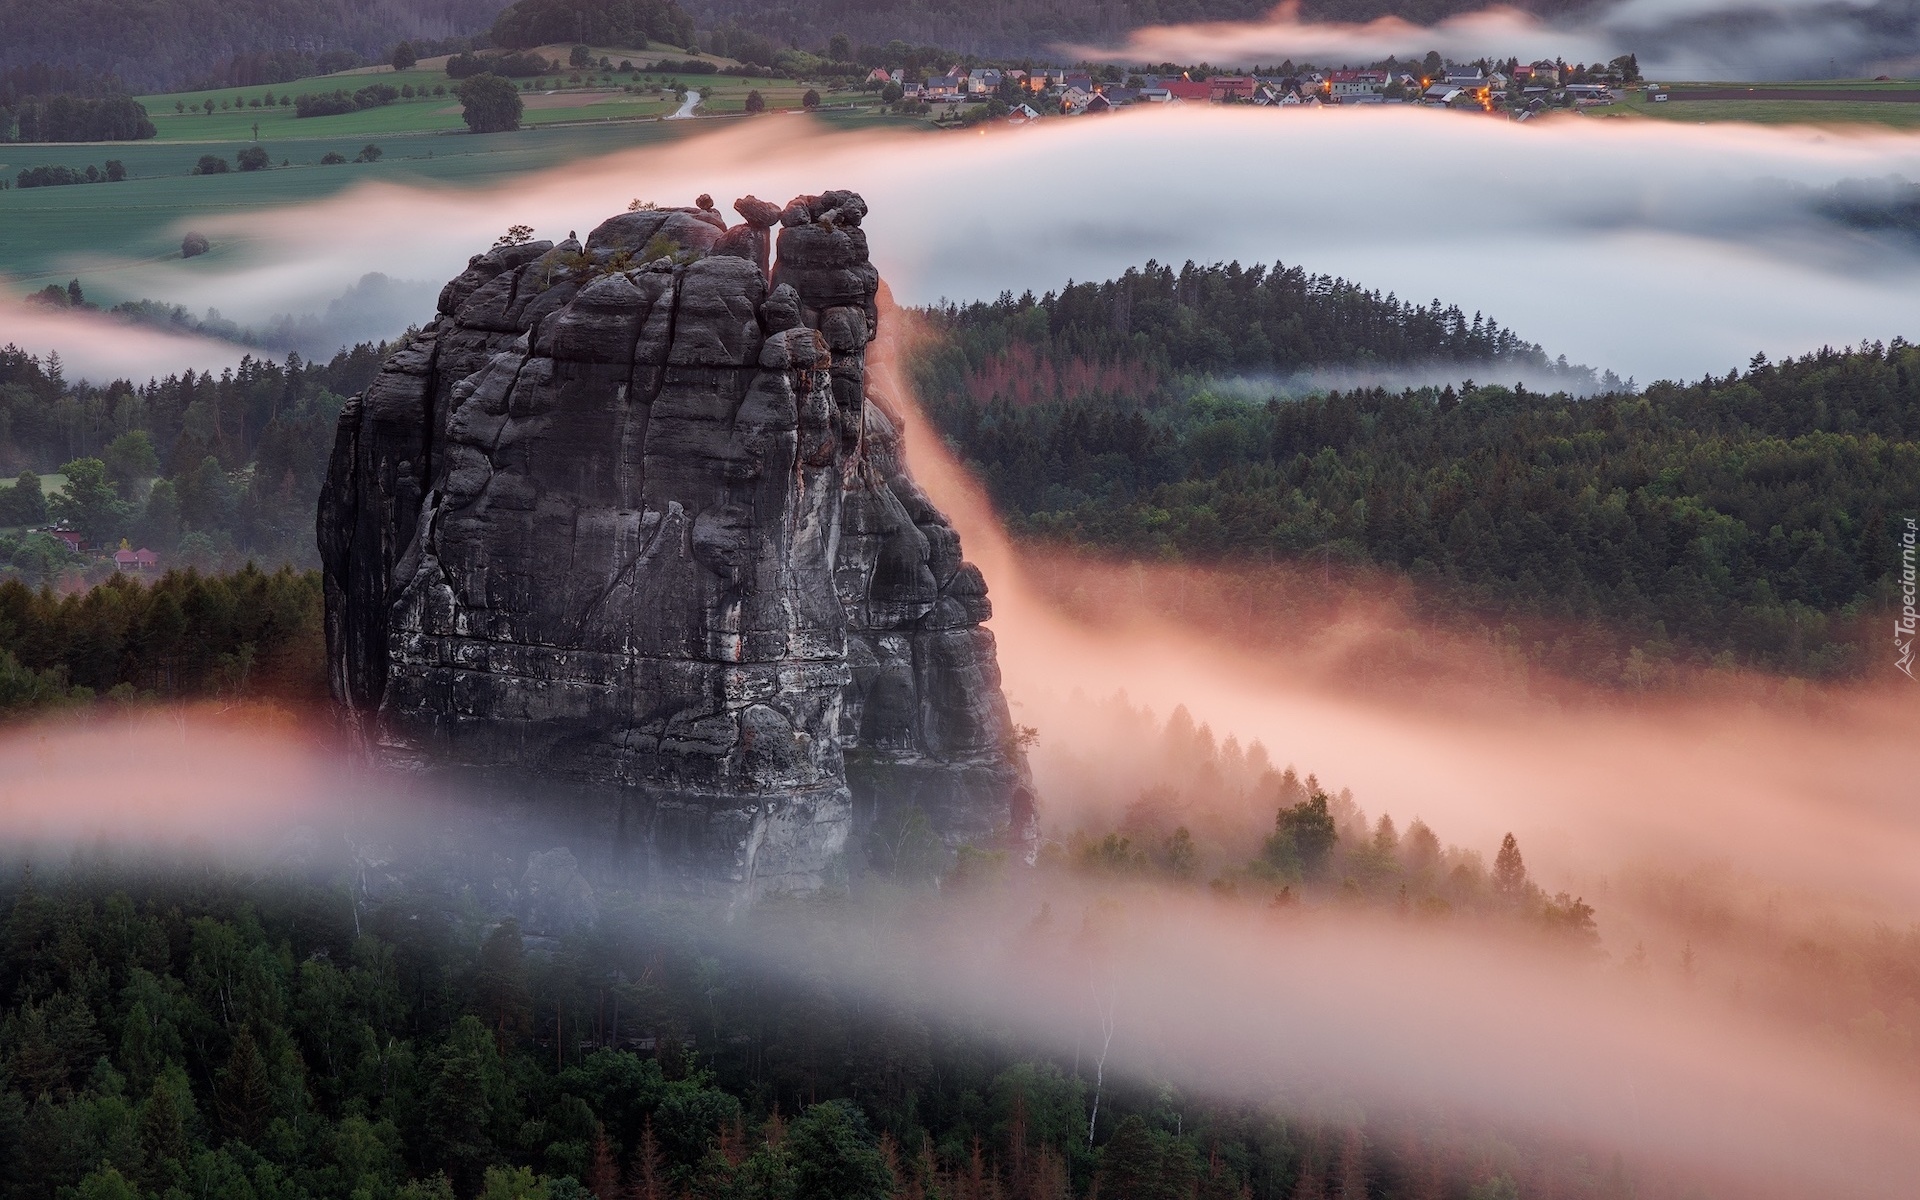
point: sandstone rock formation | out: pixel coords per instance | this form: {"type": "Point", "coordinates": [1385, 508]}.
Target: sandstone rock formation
{"type": "Point", "coordinates": [625, 528]}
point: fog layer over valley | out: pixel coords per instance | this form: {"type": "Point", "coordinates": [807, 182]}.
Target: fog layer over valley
{"type": "Point", "coordinates": [1332, 1010]}
{"type": "Point", "coordinates": [1713, 834]}
{"type": "Point", "coordinates": [102, 348]}
{"type": "Point", "coordinates": [1324, 1012]}
{"type": "Point", "coordinates": [1650, 249]}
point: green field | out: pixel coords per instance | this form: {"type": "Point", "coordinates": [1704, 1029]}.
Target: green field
{"type": "Point", "coordinates": [421, 141]}
{"type": "Point", "coordinates": [1778, 112]}
{"type": "Point", "coordinates": [140, 217]}
{"type": "Point", "coordinates": [50, 483]}
{"type": "Point", "coordinates": [563, 96]}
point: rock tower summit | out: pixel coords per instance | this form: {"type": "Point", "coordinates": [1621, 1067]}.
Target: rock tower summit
{"type": "Point", "coordinates": [624, 532]}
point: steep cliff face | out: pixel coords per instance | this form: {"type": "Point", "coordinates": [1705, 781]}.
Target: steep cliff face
{"type": "Point", "coordinates": [623, 526]}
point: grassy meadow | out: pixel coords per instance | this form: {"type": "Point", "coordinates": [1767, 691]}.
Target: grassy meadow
{"type": "Point", "coordinates": [421, 140]}
{"type": "Point", "coordinates": [563, 96]}
{"type": "Point", "coordinates": [141, 217]}
{"type": "Point", "coordinates": [1813, 110]}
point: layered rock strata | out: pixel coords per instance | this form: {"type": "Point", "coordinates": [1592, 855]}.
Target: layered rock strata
{"type": "Point", "coordinates": [624, 528]}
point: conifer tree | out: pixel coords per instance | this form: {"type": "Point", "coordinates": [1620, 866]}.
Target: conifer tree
{"type": "Point", "coordinates": [162, 1136]}
{"type": "Point", "coordinates": [1353, 1166]}
{"type": "Point", "coordinates": [245, 1095]}
{"type": "Point", "coordinates": [603, 1177]}
{"type": "Point", "coordinates": [1509, 872]}
{"type": "Point", "coordinates": [1130, 1164]}
{"type": "Point", "coordinates": [645, 1175]}
{"type": "Point", "coordinates": [501, 982]}
{"type": "Point", "coordinates": [1310, 1183]}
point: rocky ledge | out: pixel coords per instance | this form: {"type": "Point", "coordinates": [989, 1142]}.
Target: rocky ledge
{"type": "Point", "coordinates": [624, 535]}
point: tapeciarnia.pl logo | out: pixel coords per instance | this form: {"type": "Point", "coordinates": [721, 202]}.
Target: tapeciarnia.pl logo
{"type": "Point", "coordinates": [1903, 626]}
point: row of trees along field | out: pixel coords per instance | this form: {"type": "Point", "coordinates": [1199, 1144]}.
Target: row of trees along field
{"type": "Point", "coordinates": [1743, 518]}
{"type": "Point", "coordinates": [39, 103]}
{"type": "Point", "coordinates": [216, 469]}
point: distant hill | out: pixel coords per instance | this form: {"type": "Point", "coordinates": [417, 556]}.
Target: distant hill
{"type": "Point", "coordinates": [154, 45]}
{"type": "Point", "coordinates": [159, 45]}
{"type": "Point", "coordinates": [1743, 519]}
{"type": "Point", "coordinates": [530, 23]}
{"type": "Point", "coordinates": [1015, 27]}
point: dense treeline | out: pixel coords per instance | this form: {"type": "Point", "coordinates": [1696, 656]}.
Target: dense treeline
{"type": "Point", "coordinates": [340, 100]}
{"type": "Point", "coordinates": [1883, 205]}
{"type": "Point", "coordinates": [34, 177]}
{"type": "Point", "coordinates": [162, 44]}
{"type": "Point", "coordinates": [63, 118]}
{"type": "Point", "coordinates": [184, 636]}
{"type": "Point", "coordinates": [1130, 340]}
{"type": "Point", "coordinates": [167, 1037]}
{"type": "Point", "coordinates": [1743, 518]}
{"type": "Point", "coordinates": [529, 23]}
{"type": "Point", "coordinates": [205, 1034]}
{"type": "Point", "coordinates": [39, 79]}
{"type": "Point", "coordinates": [1216, 812]}
{"type": "Point", "coordinates": [1023, 27]}
{"type": "Point", "coordinates": [217, 468]}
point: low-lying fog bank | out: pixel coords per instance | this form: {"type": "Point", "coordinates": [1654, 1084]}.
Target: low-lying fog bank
{"type": "Point", "coordinates": [1652, 249]}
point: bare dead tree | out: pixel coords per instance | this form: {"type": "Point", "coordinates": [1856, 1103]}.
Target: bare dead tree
{"type": "Point", "coordinates": [1105, 1014]}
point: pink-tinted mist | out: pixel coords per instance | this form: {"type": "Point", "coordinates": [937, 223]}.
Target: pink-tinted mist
{"type": "Point", "coordinates": [172, 778]}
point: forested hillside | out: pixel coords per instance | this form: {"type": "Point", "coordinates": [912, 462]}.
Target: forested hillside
{"type": "Point", "coordinates": [180, 637]}
{"type": "Point", "coordinates": [206, 470]}
{"type": "Point", "coordinates": [530, 23]}
{"type": "Point", "coordinates": [1140, 339]}
{"type": "Point", "coordinates": [1036, 27]}
{"type": "Point", "coordinates": [154, 45]}
{"type": "Point", "coordinates": [1745, 518]}
{"type": "Point", "coordinates": [253, 1038]}
{"type": "Point", "coordinates": [160, 44]}
{"type": "Point", "coordinates": [219, 1035]}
